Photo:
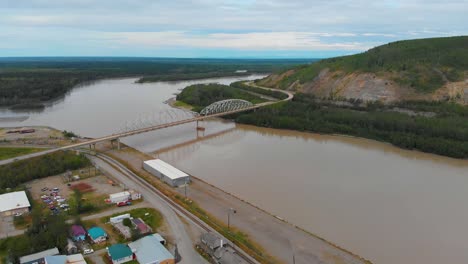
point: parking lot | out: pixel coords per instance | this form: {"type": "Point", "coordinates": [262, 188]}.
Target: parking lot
{"type": "Point", "coordinates": [54, 192]}
{"type": "Point", "coordinates": [100, 184]}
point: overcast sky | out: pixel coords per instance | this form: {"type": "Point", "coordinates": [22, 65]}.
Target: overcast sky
{"type": "Point", "coordinates": [215, 28]}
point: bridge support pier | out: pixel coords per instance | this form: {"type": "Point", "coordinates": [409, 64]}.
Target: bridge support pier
{"type": "Point", "coordinates": [200, 129]}
{"type": "Point", "coordinates": [118, 143]}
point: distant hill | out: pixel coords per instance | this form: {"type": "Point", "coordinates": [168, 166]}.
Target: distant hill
{"type": "Point", "coordinates": [427, 69]}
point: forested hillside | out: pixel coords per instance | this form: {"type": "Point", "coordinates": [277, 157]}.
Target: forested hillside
{"type": "Point", "coordinates": [409, 68]}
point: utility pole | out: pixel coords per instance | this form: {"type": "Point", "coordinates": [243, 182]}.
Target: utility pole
{"type": "Point", "coordinates": [185, 189]}
{"type": "Point", "coordinates": [229, 216]}
{"type": "Point", "coordinates": [292, 250]}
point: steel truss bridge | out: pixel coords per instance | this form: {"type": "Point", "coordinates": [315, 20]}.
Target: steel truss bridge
{"type": "Point", "coordinates": [217, 109]}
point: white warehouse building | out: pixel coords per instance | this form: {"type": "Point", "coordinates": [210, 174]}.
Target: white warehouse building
{"type": "Point", "coordinates": [166, 172]}
{"type": "Point", "coordinates": [14, 203]}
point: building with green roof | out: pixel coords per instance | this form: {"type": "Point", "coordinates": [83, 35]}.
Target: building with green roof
{"type": "Point", "coordinates": [97, 234]}
{"type": "Point", "coordinates": [119, 253]}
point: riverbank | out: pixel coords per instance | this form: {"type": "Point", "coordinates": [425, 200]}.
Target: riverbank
{"type": "Point", "coordinates": [273, 234]}
{"type": "Point", "coordinates": [35, 136]}
{"type": "Point", "coordinates": [434, 127]}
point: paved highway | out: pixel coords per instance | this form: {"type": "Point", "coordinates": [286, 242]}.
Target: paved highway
{"type": "Point", "coordinates": [181, 237]}
{"type": "Point", "coordinates": [139, 184]}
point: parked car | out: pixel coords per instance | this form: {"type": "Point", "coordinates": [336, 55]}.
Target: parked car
{"type": "Point", "coordinates": [18, 214]}
{"type": "Point", "coordinates": [61, 200]}
{"type": "Point", "coordinates": [43, 197]}
{"type": "Point", "coordinates": [58, 197]}
{"type": "Point", "coordinates": [44, 189]}
{"type": "Point", "coordinates": [124, 203]}
{"type": "Point", "coordinates": [55, 189]}
{"type": "Point", "coordinates": [86, 248]}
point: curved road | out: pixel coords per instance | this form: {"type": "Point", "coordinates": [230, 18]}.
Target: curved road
{"type": "Point", "coordinates": [182, 238]}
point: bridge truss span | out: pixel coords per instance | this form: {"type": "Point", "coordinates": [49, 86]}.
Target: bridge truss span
{"type": "Point", "coordinates": [225, 106]}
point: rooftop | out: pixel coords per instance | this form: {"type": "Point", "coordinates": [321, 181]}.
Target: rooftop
{"type": "Point", "coordinates": [212, 240]}
{"type": "Point", "coordinates": [119, 251]}
{"type": "Point", "coordinates": [96, 232]}
{"type": "Point", "coordinates": [119, 194]}
{"type": "Point", "coordinates": [78, 230]}
{"type": "Point", "coordinates": [166, 169]}
{"type": "Point", "coordinates": [150, 250]}
{"type": "Point", "coordinates": [76, 259]}
{"type": "Point", "coordinates": [39, 255]}
{"type": "Point", "coordinates": [56, 259]}
{"type": "Point", "coordinates": [13, 200]}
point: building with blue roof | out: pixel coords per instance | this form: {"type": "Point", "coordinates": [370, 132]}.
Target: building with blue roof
{"type": "Point", "coordinates": [97, 234]}
{"type": "Point", "coordinates": [56, 259]}
{"type": "Point", "coordinates": [149, 250]}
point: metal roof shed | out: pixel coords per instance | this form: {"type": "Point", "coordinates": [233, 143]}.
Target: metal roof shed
{"type": "Point", "coordinates": [166, 172]}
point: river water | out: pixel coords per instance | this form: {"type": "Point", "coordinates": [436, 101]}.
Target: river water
{"type": "Point", "coordinates": [386, 204]}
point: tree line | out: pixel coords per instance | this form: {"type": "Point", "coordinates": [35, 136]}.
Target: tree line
{"type": "Point", "coordinates": [28, 82]}
{"type": "Point", "coordinates": [201, 95]}
{"type": "Point", "coordinates": [445, 134]}
{"type": "Point", "coordinates": [422, 64]}
{"type": "Point", "coordinates": [21, 171]}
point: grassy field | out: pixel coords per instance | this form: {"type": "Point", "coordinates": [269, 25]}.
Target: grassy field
{"type": "Point", "coordinates": [8, 153]}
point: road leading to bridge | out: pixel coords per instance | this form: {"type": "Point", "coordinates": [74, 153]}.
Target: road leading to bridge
{"type": "Point", "coordinates": [152, 128]}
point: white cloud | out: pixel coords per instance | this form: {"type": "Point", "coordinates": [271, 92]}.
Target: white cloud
{"type": "Point", "coordinates": [226, 24]}
{"type": "Point", "coordinates": [242, 41]}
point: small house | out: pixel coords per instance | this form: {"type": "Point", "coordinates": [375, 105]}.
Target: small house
{"type": "Point", "coordinates": [71, 247]}
{"type": "Point", "coordinates": [78, 233]}
{"type": "Point", "coordinates": [211, 241]}
{"type": "Point", "coordinates": [119, 253]}
{"type": "Point", "coordinates": [150, 250]}
{"type": "Point", "coordinates": [97, 234]}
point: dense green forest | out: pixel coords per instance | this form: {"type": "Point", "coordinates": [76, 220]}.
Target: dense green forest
{"type": "Point", "coordinates": [46, 232]}
{"type": "Point", "coordinates": [27, 82]}
{"type": "Point", "coordinates": [22, 171]}
{"type": "Point", "coordinates": [424, 64]}
{"type": "Point", "coordinates": [201, 95]}
{"type": "Point", "coordinates": [435, 127]}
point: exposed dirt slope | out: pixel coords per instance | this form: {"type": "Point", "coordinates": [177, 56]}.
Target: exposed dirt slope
{"type": "Point", "coordinates": [367, 87]}
{"type": "Point", "coordinates": [428, 69]}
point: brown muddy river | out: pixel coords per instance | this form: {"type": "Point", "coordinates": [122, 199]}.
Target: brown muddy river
{"type": "Point", "coordinates": [388, 205]}
{"type": "Point", "coordinates": [385, 204]}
